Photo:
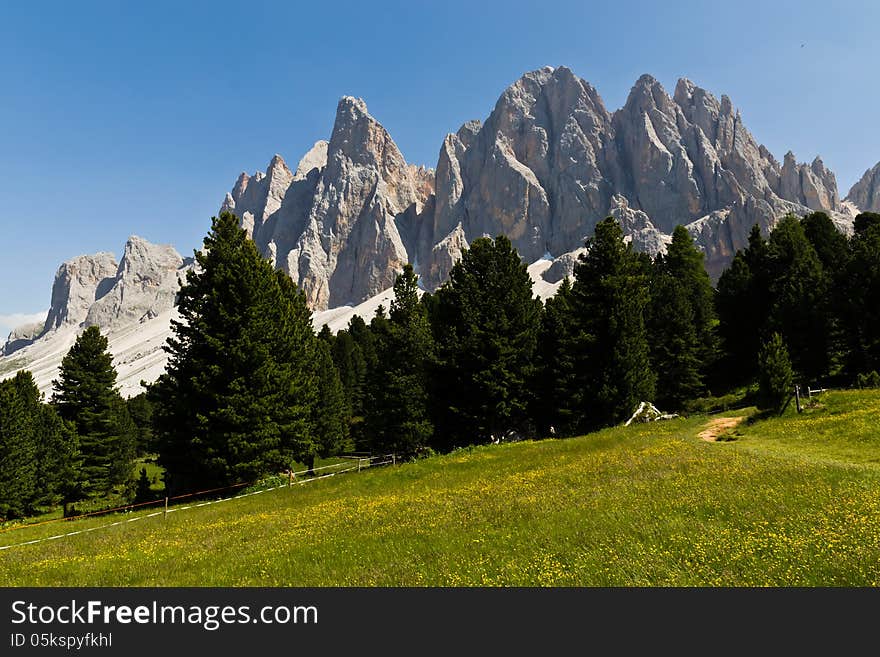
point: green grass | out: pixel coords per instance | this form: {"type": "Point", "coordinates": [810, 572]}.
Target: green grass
{"type": "Point", "coordinates": [643, 505]}
{"type": "Point", "coordinates": [837, 427]}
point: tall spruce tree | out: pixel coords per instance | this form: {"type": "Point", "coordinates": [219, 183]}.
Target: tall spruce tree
{"type": "Point", "coordinates": [743, 307]}
{"type": "Point", "coordinates": [861, 315]}
{"type": "Point", "coordinates": [799, 307]}
{"type": "Point", "coordinates": [555, 407]}
{"type": "Point", "coordinates": [609, 300]}
{"type": "Point", "coordinates": [398, 416]}
{"type": "Point", "coordinates": [486, 323]}
{"type": "Point", "coordinates": [236, 400]}
{"type": "Point", "coordinates": [681, 321]}
{"type": "Point", "coordinates": [85, 394]}
{"type": "Point", "coordinates": [330, 420]}
{"type": "Point", "coordinates": [18, 448]}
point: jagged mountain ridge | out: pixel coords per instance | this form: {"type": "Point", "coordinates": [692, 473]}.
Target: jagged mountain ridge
{"type": "Point", "coordinates": [548, 163]}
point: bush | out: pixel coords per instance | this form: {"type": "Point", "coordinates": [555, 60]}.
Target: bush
{"type": "Point", "coordinates": [868, 380]}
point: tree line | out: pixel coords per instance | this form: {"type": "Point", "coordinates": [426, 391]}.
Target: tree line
{"type": "Point", "coordinates": [79, 446]}
{"type": "Point", "coordinates": [250, 388]}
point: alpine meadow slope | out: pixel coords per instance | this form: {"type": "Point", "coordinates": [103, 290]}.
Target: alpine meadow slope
{"type": "Point", "coordinates": [787, 503]}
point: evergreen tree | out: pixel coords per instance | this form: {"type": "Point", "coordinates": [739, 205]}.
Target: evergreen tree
{"type": "Point", "coordinates": [58, 460]}
{"type": "Point", "coordinates": [609, 300]}
{"type": "Point", "coordinates": [832, 249]}
{"type": "Point", "coordinates": [486, 324]}
{"type": "Point", "coordinates": [326, 335]}
{"type": "Point", "coordinates": [861, 308]}
{"type": "Point", "coordinates": [683, 261]}
{"type": "Point", "coordinates": [555, 408]}
{"type": "Point", "coordinates": [775, 375]}
{"type": "Point", "coordinates": [140, 409]}
{"type": "Point", "coordinates": [18, 449]}
{"type": "Point", "coordinates": [330, 422]}
{"type": "Point", "coordinates": [143, 491]}
{"type": "Point", "coordinates": [398, 416]}
{"type": "Point", "coordinates": [236, 400]}
{"type": "Point", "coordinates": [682, 321]}
{"type": "Point", "coordinates": [798, 289]}
{"type": "Point", "coordinates": [743, 307]}
{"type": "Point", "coordinates": [356, 372]}
{"type": "Point", "coordinates": [85, 394]}
{"type": "Point", "coordinates": [676, 349]}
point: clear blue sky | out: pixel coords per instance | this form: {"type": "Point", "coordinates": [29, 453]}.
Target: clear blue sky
{"type": "Point", "coordinates": [124, 118]}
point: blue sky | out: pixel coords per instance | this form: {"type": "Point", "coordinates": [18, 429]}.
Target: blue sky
{"type": "Point", "coordinates": [123, 118]}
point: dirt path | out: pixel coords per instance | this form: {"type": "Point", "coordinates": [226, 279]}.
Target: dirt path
{"type": "Point", "coordinates": [718, 427]}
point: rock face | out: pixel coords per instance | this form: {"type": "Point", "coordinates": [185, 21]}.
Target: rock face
{"type": "Point", "coordinates": [548, 163]}
{"type": "Point", "coordinates": [335, 224]}
{"type": "Point", "coordinates": [78, 284]}
{"type": "Point", "coordinates": [145, 286]}
{"type": "Point", "coordinates": [96, 291]}
{"type": "Point", "coordinates": [20, 337]}
{"type": "Point", "coordinates": [865, 194]}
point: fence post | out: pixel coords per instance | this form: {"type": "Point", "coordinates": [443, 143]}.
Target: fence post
{"type": "Point", "coordinates": [797, 396]}
{"type": "Point", "coordinates": [165, 515]}
{"type": "Point", "coordinates": [394, 459]}
{"type": "Point", "coordinates": [289, 478]}
{"type": "Point", "coordinates": [359, 464]}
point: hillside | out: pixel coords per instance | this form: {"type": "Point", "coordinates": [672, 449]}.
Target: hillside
{"type": "Point", "coordinates": [791, 501]}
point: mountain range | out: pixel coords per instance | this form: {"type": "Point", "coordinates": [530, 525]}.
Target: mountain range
{"type": "Point", "coordinates": [548, 163]}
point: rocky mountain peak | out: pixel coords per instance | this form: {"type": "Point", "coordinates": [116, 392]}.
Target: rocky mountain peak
{"type": "Point", "coordinates": [865, 194]}
{"type": "Point", "coordinates": [79, 283]}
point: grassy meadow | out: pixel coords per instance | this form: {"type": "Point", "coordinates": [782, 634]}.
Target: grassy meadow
{"type": "Point", "coordinates": [789, 501]}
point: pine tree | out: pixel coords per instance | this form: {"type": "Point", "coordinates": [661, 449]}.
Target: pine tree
{"type": "Point", "coordinates": [555, 404]}
{"type": "Point", "coordinates": [676, 349]}
{"type": "Point", "coordinates": [775, 375]}
{"type": "Point", "coordinates": [743, 307]}
{"type": "Point", "coordinates": [330, 421]}
{"type": "Point", "coordinates": [609, 300]}
{"type": "Point", "coordinates": [18, 449]}
{"type": "Point", "coordinates": [236, 400]}
{"type": "Point", "coordinates": [58, 460]}
{"type": "Point", "coordinates": [486, 324]}
{"type": "Point", "coordinates": [398, 415]}
{"type": "Point", "coordinates": [861, 308]}
{"type": "Point", "coordinates": [799, 307]}
{"type": "Point", "coordinates": [85, 394]}
{"type": "Point", "coordinates": [355, 374]}
{"type": "Point", "coordinates": [832, 249]}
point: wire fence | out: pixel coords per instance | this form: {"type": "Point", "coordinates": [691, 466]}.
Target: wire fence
{"type": "Point", "coordinates": [292, 480]}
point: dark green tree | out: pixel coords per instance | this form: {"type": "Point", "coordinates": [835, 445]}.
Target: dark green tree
{"type": "Point", "coordinates": [236, 400]}
{"type": "Point", "coordinates": [682, 321]}
{"type": "Point", "coordinates": [58, 460]}
{"type": "Point", "coordinates": [799, 307]}
{"type": "Point", "coordinates": [85, 395]}
{"type": "Point", "coordinates": [609, 301]}
{"type": "Point", "coordinates": [143, 491]}
{"type": "Point", "coordinates": [555, 408]}
{"type": "Point", "coordinates": [486, 325]}
{"type": "Point", "coordinates": [775, 377]}
{"type": "Point", "coordinates": [398, 415]}
{"type": "Point", "coordinates": [330, 421]}
{"type": "Point", "coordinates": [140, 409]}
{"type": "Point", "coordinates": [861, 287]}
{"type": "Point", "coordinates": [743, 308]}
{"type": "Point", "coordinates": [676, 350]}
{"type": "Point", "coordinates": [18, 448]}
